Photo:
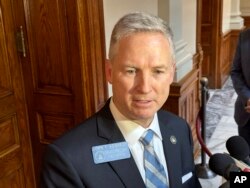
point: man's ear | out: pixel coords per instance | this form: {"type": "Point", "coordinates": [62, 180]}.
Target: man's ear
{"type": "Point", "coordinates": [108, 70]}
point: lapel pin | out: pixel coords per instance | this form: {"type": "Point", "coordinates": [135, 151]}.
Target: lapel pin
{"type": "Point", "coordinates": [173, 139]}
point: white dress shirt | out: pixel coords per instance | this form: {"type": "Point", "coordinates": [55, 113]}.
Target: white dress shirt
{"type": "Point", "coordinates": [132, 133]}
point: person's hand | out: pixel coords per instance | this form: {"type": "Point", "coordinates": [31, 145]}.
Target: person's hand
{"type": "Point", "coordinates": [247, 108]}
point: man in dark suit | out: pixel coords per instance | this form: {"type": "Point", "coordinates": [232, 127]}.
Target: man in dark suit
{"type": "Point", "coordinates": [106, 150]}
{"type": "Point", "coordinates": [240, 75]}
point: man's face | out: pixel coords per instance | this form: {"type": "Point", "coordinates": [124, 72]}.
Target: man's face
{"type": "Point", "coordinates": [141, 73]}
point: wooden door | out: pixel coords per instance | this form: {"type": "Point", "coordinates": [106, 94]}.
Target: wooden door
{"type": "Point", "coordinates": [63, 70]}
{"type": "Point", "coordinates": [16, 169]}
{"type": "Point", "coordinates": [211, 33]}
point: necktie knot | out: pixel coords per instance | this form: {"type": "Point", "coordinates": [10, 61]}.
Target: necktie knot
{"type": "Point", "coordinates": [147, 137]}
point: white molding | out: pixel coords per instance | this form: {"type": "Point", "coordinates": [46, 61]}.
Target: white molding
{"type": "Point", "coordinates": [183, 66]}
{"type": "Point", "coordinates": [184, 61]}
{"type": "Point", "coordinates": [236, 22]}
{"type": "Point", "coordinates": [245, 11]}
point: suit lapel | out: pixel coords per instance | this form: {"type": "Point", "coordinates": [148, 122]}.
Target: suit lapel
{"type": "Point", "coordinates": [172, 152]}
{"type": "Point", "coordinates": [126, 169]}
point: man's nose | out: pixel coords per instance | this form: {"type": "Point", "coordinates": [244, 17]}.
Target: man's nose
{"type": "Point", "coordinates": [144, 83]}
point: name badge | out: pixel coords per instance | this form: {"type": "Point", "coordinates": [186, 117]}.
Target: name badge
{"type": "Point", "coordinates": [110, 152]}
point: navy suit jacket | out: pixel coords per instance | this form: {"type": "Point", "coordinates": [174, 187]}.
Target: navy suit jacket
{"type": "Point", "coordinates": [68, 162]}
{"type": "Point", "coordinates": [240, 75]}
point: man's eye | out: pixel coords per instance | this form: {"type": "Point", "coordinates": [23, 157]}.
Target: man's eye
{"type": "Point", "coordinates": [130, 71]}
{"type": "Point", "coordinates": [159, 71]}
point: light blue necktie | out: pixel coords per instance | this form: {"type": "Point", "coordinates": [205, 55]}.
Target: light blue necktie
{"type": "Point", "coordinates": [154, 170]}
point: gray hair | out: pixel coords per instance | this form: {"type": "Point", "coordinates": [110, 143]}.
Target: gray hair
{"type": "Point", "coordinates": [139, 22]}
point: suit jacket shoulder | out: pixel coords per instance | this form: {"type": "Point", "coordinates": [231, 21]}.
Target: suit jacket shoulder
{"type": "Point", "coordinates": [173, 122]}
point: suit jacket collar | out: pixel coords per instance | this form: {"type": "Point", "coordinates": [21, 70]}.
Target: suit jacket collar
{"type": "Point", "coordinates": [126, 169]}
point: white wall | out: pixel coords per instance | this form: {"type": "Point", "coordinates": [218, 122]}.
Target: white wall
{"type": "Point", "coordinates": [245, 7]}
{"type": "Point", "coordinates": [226, 16]}
{"type": "Point", "coordinates": [189, 24]}
{"type": "Point", "coordinates": [115, 9]}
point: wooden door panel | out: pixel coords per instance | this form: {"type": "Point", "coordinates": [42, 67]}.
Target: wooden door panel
{"type": "Point", "coordinates": [62, 75]}
{"type": "Point", "coordinates": [51, 126]}
{"type": "Point", "coordinates": [16, 169]}
{"type": "Point", "coordinates": [9, 128]}
{"type": "Point", "coordinates": [14, 180]}
{"type": "Point", "coordinates": [51, 66]}
{"type": "Point", "coordinates": [10, 148]}
{"type": "Point", "coordinates": [52, 73]}
{"type": "Point", "coordinates": [63, 71]}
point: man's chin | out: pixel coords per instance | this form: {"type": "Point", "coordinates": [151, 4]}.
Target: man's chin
{"type": "Point", "coordinates": [143, 117]}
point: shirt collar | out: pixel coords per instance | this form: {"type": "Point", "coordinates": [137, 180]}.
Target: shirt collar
{"type": "Point", "coordinates": [132, 131]}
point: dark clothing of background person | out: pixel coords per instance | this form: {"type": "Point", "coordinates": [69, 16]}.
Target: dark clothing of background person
{"type": "Point", "coordinates": [240, 75]}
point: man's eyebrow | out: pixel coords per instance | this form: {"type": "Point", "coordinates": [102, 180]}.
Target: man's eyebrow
{"type": "Point", "coordinates": [130, 66]}
{"type": "Point", "coordinates": [161, 66]}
